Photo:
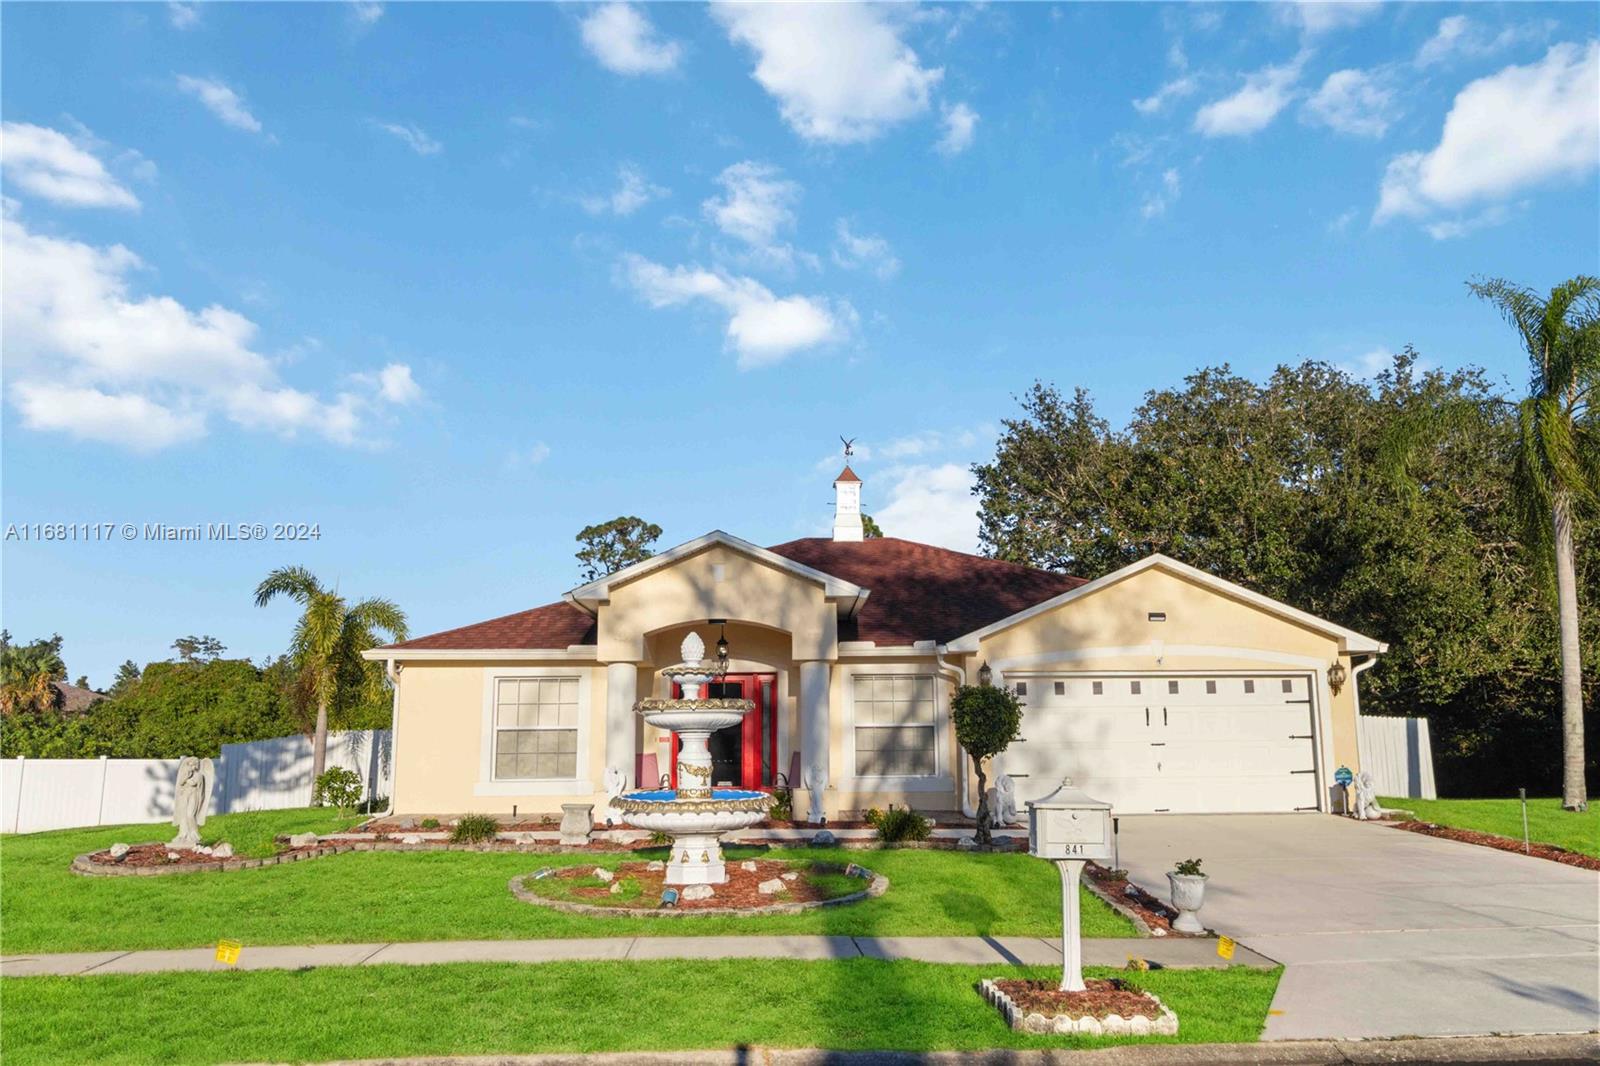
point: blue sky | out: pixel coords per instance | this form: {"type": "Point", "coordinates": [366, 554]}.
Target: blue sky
{"type": "Point", "coordinates": [452, 282]}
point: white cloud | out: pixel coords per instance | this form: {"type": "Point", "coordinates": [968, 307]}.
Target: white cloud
{"type": "Point", "coordinates": [840, 72]}
{"type": "Point", "coordinates": [49, 164]}
{"type": "Point", "coordinates": [1450, 228]}
{"type": "Point", "coordinates": [396, 385]}
{"type": "Point", "coordinates": [1520, 127]}
{"type": "Point", "coordinates": [762, 328]}
{"type": "Point", "coordinates": [128, 420]}
{"type": "Point", "coordinates": [633, 191]}
{"type": "Point", "coordinates": [960, 126]}
{"type": "Point", "coordinates": [366, 14]}
{"type": "Point", "coordinates": [621, 37]}
{"type": "Point", "coordinates": [221, 101]}
{"type": "Point", "coordinates": [1175, 89]}
{"type": "Point", "coordinates": [1341, 222]}
{"type": "Point", "coordinates": [756, 205]}
{"type": "Point", "coordinates": [1323, 17]}
{"type": "Point", "coordinates": [88, 357]}
{"type": "Point", "coordinates": [1265, 93]}
{"type": "Point", "coordinates": [1351, 101]}
{"type": "Point", "coordinates": [1155, 205]}
{"type": "Point", "coordinates": [932, 505]}
{"type": "Point", "coordinates": [927, 442]}
{"type": "Point", "coordinates": [412, 136]}
{"type": "Point", "coordinates": [183, 16]}
{"type": "Point", "coordinates": [522, 458]}
{"type": "Point", "coordinates": [1459, 36]}
{"type": "Point", "coordinates": [864, 252]}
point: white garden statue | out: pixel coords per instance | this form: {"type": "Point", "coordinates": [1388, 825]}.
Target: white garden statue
{"type": "Point", "coordinates": [191, 796]}
{"type": "Point", "coordinates": [816, 780]}
{"type": "Point", "coordinates": [1367, 808]}
{"type": "Point", "coordinates": [616, 783]}
{"type": "Point", "coordinates": [1003, 801]}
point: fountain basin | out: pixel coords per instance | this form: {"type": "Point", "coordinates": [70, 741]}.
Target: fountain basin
{"type": "Point", "coordinates": [696, 826]}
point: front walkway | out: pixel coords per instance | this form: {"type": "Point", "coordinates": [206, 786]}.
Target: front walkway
{"type": "Point", "coordinates": [1006, 950]}
{"type": "Point", "coordinates": [1385, 933]}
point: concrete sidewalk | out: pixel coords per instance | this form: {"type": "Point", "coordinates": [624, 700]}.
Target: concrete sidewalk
{"type": "Point", "coordinates": [1001, 951]}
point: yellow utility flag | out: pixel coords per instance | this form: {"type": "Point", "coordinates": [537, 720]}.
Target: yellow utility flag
{"type": "Point", "coordinates": [228, 952]}
{"type": "Point", "coordinates": [1225, 947]}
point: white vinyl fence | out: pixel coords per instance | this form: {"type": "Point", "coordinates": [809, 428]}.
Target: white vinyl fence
{"type": "Point", "coordinates": [1398, 754]}
{"type": "Point", "coordinates": [262, 775]}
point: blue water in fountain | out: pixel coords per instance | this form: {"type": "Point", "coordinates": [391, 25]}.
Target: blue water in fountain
{"type": "Point", "coordinates": [668, 795]}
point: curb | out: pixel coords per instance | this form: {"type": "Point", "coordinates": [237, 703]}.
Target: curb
{"type": "Point", "coordinates": [1574, 1049]}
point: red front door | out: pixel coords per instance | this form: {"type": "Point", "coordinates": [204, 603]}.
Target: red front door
{"type": "Point", "coordinates": [745, 755]}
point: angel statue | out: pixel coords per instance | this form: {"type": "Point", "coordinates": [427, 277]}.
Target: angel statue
{"type": "Point", "coordinates": [191, 798]}
{"type": "Point", "coordinates": [1367, 806]}
{"type": "Point", "coordinates": [1003, 801]}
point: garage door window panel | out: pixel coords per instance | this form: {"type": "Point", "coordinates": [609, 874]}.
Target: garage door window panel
{"type": "Point", "coordinates": [895, 726]}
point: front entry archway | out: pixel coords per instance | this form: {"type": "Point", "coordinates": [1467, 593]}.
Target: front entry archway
{"type": "Point", "coordinates": [745, 755]}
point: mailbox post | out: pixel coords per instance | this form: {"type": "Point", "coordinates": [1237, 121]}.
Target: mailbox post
{"type": "Point", "coordinates": [1069, 827]}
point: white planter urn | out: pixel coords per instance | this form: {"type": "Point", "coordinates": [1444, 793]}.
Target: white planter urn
{"type": "Point", "coordinates": [1188, 893]}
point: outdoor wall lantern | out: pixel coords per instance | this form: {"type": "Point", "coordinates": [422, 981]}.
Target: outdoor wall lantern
{"type": "Point", "coordinates": [985, 675]}
{"type": "Point", "coordinates": [722, 641]}
{"type": "Point", "coordinates": [1336, 676]}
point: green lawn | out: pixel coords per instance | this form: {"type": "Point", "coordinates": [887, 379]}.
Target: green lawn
{"type": "Point", "coordinates": [1547, 822]}
{"type": "Point", "coordinates": [492, 1008]}
{"type": "Point", "coordinates": [388, 896]}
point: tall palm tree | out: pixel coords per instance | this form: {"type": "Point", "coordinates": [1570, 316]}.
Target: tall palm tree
{"type": "Point", "coordinates": [328, 642]}
{"type": "Point", "coordinates": [1558, 462]}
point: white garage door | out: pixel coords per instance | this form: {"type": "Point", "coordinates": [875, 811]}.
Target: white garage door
{"type": "Point", "coordinates": [1157, 742]}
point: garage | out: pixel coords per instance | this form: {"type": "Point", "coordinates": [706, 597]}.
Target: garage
{"type": "Point", "coordinates": [1151, 742]}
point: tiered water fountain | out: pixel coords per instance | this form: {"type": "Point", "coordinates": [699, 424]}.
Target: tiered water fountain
{"type": "Point", "coordinates": [696, 814]}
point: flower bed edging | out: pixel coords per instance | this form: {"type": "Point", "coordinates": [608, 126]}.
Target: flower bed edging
{"type": "Point", "coordinates": [877, 886]}
{"type": "Point", "coordinates": [1536, 850]}
{"type": "Point", "coordinates": [1063, 1024]}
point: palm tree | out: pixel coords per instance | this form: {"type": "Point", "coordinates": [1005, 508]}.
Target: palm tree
{"type": "Point", "coordinates": [1558, 463]}
{"type": "Point", "coordinates": [328, 642]}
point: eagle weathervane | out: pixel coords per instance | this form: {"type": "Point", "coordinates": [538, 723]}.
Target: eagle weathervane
{"type": "Point", "coordinates": [849, 447]}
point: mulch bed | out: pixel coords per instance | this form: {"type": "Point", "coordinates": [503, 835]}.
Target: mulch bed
{"type": "Point", "coordinates": [156, 855]}
{"type": "Point", "coordinates": [1489, 840]}
{"type": "Point", "coordinates": [739, 893]}
{"type": "Point", "coordinates": [1152, 911]}
{"type": "Point", "coordinates": [1101, 999]}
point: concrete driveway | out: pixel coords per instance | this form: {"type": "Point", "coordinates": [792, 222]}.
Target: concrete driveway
{"type": "Point", "coordinates": [1385, 933]}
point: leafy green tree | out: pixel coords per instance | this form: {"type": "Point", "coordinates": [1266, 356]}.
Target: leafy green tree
{"type": "Point", "coordinates": [870, 528]}
{"type": "Point", "coordinates": [1557, 472]}
{"type": "Point", "coordinates": [987, 720]}
{"type": "Point", "coordinates": [327, 645]}
{"type": "Point", "coordinates": [194, 649]}
{"type": "Point", "coordinates": [610, 546]}
{"type": "Point", "coordinates": [127, 676]}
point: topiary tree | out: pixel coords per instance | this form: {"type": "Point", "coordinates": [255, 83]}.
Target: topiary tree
{"type": "Point", "coordinates": [987, 720]}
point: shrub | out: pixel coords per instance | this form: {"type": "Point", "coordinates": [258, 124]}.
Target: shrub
{"type": "Point", "coordinates": [430, 823]}
{"type": "Point", "coordinates": [658, 839]}
{"type": "Point", "coordinates": [987, 720]}
{"type": "Point", "coordinates": [782, 809]}
{"type": "Point", "coordinates": [1188, 868]}
{"type": "Point", "coordinates": [337, 787]}
{"type": "Point", "coordinates": [474, 829]}
{"type": "Point", "coordinates": [900, 823]}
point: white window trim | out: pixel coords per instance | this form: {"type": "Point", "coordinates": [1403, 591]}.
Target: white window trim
{"type": "Point", "coordinates": [542, 786]}
{"type": "Point", "coordinates": [941, 781]}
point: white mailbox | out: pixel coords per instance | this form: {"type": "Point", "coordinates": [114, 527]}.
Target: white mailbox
{"type": "Point", "coordinates": [1069, 824]}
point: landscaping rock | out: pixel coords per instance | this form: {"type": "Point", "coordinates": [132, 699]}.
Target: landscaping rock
{"type": "Point", "coordinates": [693, 892]}
{"type": "Point", "coordinates": [656, 865]}
{"type": "Point", "coordinates": [748, 867]}
{"type": "Point", "coordinates": [791, 876]}
{"type": "Point", "coordinates": [303, 840]}
{"type": "Point", "coordinates": [411, 838]}
{"type": "Point", "coordinates": [602, 873]}
{"type": "Point", "coordinates": [772, 887]}
{"type": "Point", "coordinates": [616, 888]}
{"type": "Point", "coordinates": [201, 849]}
{"type": "Point", "coordinates": [967, 843]}
{"type": "Point", "coordinates": [823, 838]}
{"type": "Point", "coordinates": [223, 850]}
{"type": "Point", "coordinates": [173, 856]}
{"type": "Point", "coordinates": [118, 851]}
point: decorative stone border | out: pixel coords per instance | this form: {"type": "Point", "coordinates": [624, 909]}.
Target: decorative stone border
{"type": "Point", "coordinates": [86, 866]}
{"type": "Point", "coordinates": [876, 886]}
{"type": "Point", "coordinates": [1063, 1024]}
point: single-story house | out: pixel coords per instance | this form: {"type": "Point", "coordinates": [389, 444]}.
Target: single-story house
{"type": "Point", "coordinates": [1157, 687]}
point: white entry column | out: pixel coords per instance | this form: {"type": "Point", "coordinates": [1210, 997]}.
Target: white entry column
{"type": "Point", "coordinates": [622, 726]}
{"type": "Point", "coordinates": [814, 734]}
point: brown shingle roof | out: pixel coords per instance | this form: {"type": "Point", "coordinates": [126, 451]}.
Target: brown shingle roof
{"type": "Point", "coordinates": [920, 592]}
{"type": "Point", "coordinates": [555, 625]}
{"type": "Point", "coordinates": [847, 474]}
{"type": "Point", "coordinates": [917, 592]}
